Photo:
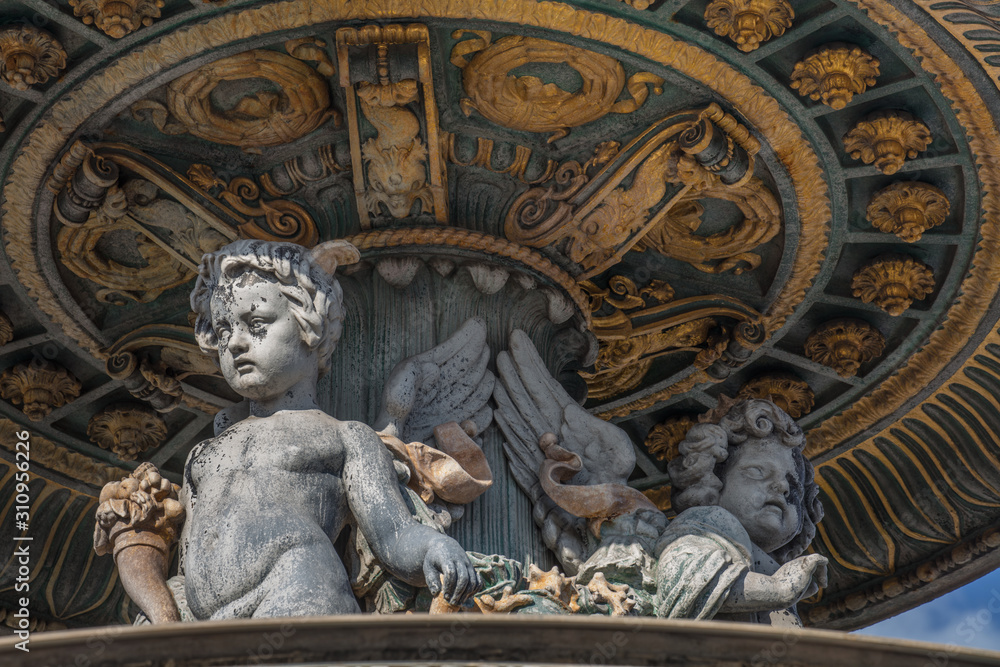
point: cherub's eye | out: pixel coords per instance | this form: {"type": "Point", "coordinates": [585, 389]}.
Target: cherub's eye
{"type": "Point", "coordinates": [753, 472]}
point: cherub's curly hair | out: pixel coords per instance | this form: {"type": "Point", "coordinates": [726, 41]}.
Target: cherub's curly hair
{"type": "Point", "coordinates": [696, 472]}
{"type": "Point", "coordinates": [315, 298]}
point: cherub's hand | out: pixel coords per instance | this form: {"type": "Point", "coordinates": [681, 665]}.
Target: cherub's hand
{"type": "Point", "coordinates": [802, 577]}
{"type": "Point", "coordinates": [447, 569]}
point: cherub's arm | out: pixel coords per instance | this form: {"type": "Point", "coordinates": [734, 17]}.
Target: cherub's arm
{"type": "Point", "coordinates": [413, 552]}
{"type": "Point", "coordinates": [793, 581]}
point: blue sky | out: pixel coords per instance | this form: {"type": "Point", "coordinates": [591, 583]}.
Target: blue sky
{"type": "Point", "coordinates": [968, 616]}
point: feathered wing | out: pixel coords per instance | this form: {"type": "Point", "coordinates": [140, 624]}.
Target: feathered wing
{"type": "Point", "coordinates": [530, 403]}
{"type": "Point", "coordinates": [448, 383]}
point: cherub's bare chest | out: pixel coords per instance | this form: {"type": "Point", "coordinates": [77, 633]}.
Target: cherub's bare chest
{"type": "Point", "coordinates": [263, 449]}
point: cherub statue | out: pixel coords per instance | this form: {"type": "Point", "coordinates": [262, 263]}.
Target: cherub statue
{"type": "Point", "coordinates": [748, 509]}
{"type": "Point", "coordinates": [745, 492]}
{"type": "Point", "coordinates": [266, 497]}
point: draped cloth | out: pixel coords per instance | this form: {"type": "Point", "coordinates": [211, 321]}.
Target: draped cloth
{"type": "Point", "coordinates": [702, 553]}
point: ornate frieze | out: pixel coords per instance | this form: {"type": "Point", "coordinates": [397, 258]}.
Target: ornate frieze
{"type": "Point", "coordinates": [29, 56]}
{"type": "Point", "coordinates": [117, 18]}
{"type": "Point", "coordinates": [844, 345]}
{"type": "Point", "coordinates": [835, 73]}
{"type": "Point", "coordinates": [908, 209]}
{"type": "Point", "coordinates": [788, 392]}
{"type": "Point", "coordinates": [749, 23]}
{"type": "Point", "coordinates": [39, 387]}
{"type": "Point", "coordinates": [524, 102]}
{"type": "Point", "coordinates": [893, 282]}
{"type": "Point", "coordinates": [127, 429]}
{"type": "Point", "coordinates": [887, 139]}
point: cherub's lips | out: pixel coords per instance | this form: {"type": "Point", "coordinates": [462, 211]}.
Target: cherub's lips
{"type": "Point", "coordinates": [244, 366]}
{"type": "Point", "coordinates": [777, 506]}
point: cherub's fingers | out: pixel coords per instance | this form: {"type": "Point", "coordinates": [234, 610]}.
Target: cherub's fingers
{"type": "Point", "coordinates": [448, 582]}
{"type": "Point", "coordinates": [458, 595]}
{"type": "Point", "coordinates": [433, 579]}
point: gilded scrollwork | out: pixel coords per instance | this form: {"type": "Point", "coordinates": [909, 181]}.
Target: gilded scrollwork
{"type": "Point", "coordinates": [749, 23]}
{"type": "Point", "coordinates": [627, 348]}
{"type": "Point", "coordinates": [127, 429]}
{"type": "Point", "coordinates": [835, 73]}
{"type": "Point", "coordinates": [788, 392]}
{"type": "Point", "coordinates": [893, 282]}
{"type": "Point", "coordinates": [39, 387]}
{"type": "Point", "coordinates": [691, 156]}
{"type": "Point", "coordinates": [524, 102]}
{"type": "Point", "coordinates": [401, 166]}
{"type": "Point", "coordinates": [887, 139]}
{"type": "Point", "coordinates": [299, 105]}
{"type": "Point", "coordinates": [844, 345]}
{"type": "Point", "coordinates": [29, 56]}
{"type": "Point", "coordinates": [117, 18]}
{"type": "Point", "coordinates": [166, 259]}
{"type": "Point", "coordinates": [908, 209]}
{"type": "Point", "coordinates": [284, 219]}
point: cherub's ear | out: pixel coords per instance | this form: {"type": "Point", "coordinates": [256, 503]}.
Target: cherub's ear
{"type": "Point", "coordinates": [331, 254]}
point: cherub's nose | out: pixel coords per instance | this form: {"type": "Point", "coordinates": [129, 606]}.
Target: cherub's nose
{"type": "Point", "coordinates": [239, 341]}
{"type": "Point", "coordinates": [780, 485]}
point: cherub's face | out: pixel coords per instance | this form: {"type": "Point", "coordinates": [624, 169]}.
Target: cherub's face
{"type": "Point", "coordinates": [756, 490]}
{"type": "Point", "coordinates": [261, 351]}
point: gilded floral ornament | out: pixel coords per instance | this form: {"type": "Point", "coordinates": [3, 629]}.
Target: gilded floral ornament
{"type": "Point", "coordinates": [783, 389]}
{"type": "Point", "coordinates": [664, 438]}
{"type": "Point", "coordinates": [127, 429]}
{"type": "Point", "coordinates": [29, 56]}
{"type": "Point", "coordinates": [524, 102]}
{"type": "Point", "coordinates": [844, 345]}
{"type": "Point", "coordinates": [6, 329]}
{"type": "Point", "coordinates": [749, 23]}
{"type": "Point", "coordinates": [835, 73]}
{"type": "Point", "coordinates": [893, 282]}
{"type": "Point", "coordinates": [908, 209]}
{"type": "Point", "coordinates": [39, 387]}
{"type": "Point", "coordinates": [117, 18]}
{"type": "Point", "coordinates": [887, 139]}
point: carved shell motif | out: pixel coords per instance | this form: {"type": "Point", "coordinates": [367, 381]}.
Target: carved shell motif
{"type": "Point", "coordinates": [749, 23]}
{"type": "Point", "coordinates": [893, 282]}
{"type": "Point", "coordinates": [844, 345]}
{"type": "Point", "coordinates": [127, 429]}
{"type": "Point", "coordinates": [117, 18]}
{"type": "Point", "coordinates": [908, 209]}
{"type": "Point", "coordinates": [783, 389]}
{"type": "Point", "coordinates": [835, 73]}
{"type": "Point", "coordinates": [887, 139]}
{"type": "Point", "coordinates": [29, 56]}
{"type": "Point", "coordinates": [39, 387]}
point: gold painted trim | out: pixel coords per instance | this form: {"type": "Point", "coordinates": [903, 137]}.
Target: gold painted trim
{"type": "Point", "coordinates": [761, 111]}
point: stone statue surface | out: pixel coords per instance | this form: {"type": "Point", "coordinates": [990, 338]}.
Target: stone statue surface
{"type": "Point", "coordinates": [266, 498]}
{"type": "Point", "coordinates": [748, 508]}
{"type": "Point", "coordinates": [264, 501]}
